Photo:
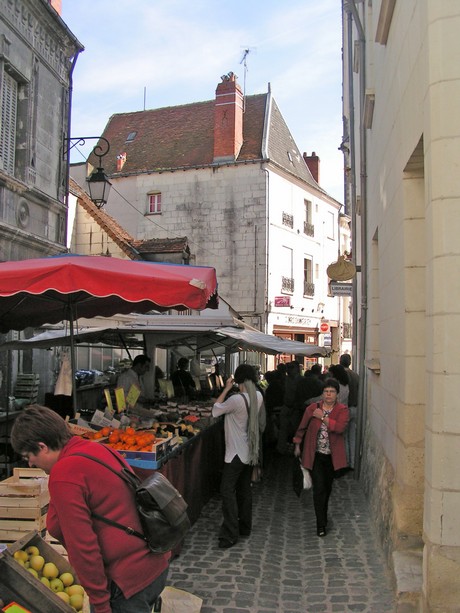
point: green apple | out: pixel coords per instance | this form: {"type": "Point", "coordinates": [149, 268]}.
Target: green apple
{"type": "Point", "coordinates": [45, 581]}
{"type": "Point", "coordinates": [67, 579]}
{"type": "Point", "coordinates": [50, 570]}
{"type": "Point", "coordinates": [20, 554]}
{"type": "Point", "coordinates": [56, 585]}
{"type": "Point", "coordinates": [75, 589]}
{"type": "Point", "coordinates": [76, 601]}
{"type": "Point", "coordinates": [63, 596]}
{"type": "Point", "coordinates": [37, 562]}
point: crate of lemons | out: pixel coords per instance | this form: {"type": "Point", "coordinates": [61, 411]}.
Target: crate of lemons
{"type": "Point", "coordinates": [52, 570]}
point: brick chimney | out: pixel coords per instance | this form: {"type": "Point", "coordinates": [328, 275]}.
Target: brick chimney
{"type": "Point", "coordinates": [312, 161]}
{"type": "Point", "coordinates": [228, 119]}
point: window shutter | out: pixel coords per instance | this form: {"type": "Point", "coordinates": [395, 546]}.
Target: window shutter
{"type": "Point", "coordinates": [8, 127]}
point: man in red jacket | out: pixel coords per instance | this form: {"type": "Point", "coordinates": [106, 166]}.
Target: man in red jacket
{"type": "Point", "coordinates": [117, 570]}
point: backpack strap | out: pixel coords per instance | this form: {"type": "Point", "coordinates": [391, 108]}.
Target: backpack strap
{"type": "Point", "coordinates": [125, 475]}
{"type": "Point", "coordinates": [245, 401]}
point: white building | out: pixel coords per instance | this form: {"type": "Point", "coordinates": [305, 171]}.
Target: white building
{"type": "Point", "coordinates": [227, 175]}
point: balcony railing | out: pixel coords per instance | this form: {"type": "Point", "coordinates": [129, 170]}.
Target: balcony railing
{"type": "Point", "coordinates": [288, 220]}
{"type": "Point", "coordinates": [308, 228]}
{"type": "Point", "coordinates": [287, 285]}
{"type": "Point", "coordinates": [308, 289]}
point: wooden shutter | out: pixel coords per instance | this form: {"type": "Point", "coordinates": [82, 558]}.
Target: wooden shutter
{"type": "Point", "coordinates": [8, 126]}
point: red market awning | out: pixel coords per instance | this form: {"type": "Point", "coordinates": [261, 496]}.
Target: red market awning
{"type": "Point", "coordinates": [48, 290]}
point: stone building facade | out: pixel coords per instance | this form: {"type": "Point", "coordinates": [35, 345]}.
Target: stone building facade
{"type": "Point", "coordinates": [228, 175]}
{"type": "Point", "coordinates": [37, 56]}
{"type": "Point", "coordinates": [402, 78]}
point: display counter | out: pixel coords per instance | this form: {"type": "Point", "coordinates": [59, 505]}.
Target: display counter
{"type": "Point", "coordinates": [195, 467]}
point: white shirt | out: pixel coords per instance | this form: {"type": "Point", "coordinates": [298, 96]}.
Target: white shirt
{"type": "Point", "coordinates": [236, 425]}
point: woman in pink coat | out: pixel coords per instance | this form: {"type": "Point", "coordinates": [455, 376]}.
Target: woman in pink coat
{"type": "Point", "coordinates": [321, 434]}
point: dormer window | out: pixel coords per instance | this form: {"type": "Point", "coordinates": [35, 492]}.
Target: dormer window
{"type": "Point", "coordinates": [131, 136]}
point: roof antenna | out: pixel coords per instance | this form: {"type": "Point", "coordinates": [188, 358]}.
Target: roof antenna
{"type": "Point", "coordinates": [243, 61]}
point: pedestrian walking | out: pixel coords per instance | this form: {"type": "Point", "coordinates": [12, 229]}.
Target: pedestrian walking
{"type": "Point", "coordinates": [320, 443]}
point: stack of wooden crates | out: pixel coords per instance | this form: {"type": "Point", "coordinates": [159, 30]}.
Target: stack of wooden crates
{"type": "Point", "coordinates": [24, 500]}
{"type": "Point", "coordinates": [26, 389]}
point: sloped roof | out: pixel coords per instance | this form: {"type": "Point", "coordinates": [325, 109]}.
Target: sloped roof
{"type": "Point", "coordinates": [117, 233]}
{"type": "Point", "coordinates": [162, 245]}
{"type": "Point", "coordinates": [182, 137]}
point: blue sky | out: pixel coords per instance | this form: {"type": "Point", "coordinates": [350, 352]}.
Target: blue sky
{"type": "Point", "coordinates": [173, 52]}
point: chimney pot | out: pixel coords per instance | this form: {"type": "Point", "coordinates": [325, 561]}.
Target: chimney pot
{"type": "Point", "coordinates": [228, 119]}
{"type": "Point", "coordinates": [312, 161]}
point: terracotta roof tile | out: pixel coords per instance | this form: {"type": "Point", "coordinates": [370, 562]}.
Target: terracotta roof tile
{"type": "Point", "coordinates": [113, 229]}
{"type": "Point", "coordinates": [181, 137]}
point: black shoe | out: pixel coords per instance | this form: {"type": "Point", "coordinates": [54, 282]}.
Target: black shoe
{"type": "Point", "coordinates": [245, 533]}
{"type": "Point", "coordinates": [225, 543]}
{"type": "Point", "coordinates": [321, 531]}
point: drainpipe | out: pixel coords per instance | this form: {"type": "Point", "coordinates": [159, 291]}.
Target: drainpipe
{"type": "Point", "coordinates": [349, 7]}
{"type": "Point", "coordinates": [66, 147]}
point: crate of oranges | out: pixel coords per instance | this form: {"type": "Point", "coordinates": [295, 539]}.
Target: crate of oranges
{"type": "Point", "coordinates": [139, 447]}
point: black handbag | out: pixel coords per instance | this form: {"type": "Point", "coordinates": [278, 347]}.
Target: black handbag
{"type": "Point", "coordinates": [162, 510]}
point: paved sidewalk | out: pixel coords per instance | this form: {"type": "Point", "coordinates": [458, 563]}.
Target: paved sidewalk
{"type": "Point", "coordinates": [283, 567]}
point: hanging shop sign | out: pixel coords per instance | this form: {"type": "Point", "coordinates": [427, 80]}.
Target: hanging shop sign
{"type": "Point", "coordinates": [341, 289]}
{"type": "Point", "coordinates": [282, 301]}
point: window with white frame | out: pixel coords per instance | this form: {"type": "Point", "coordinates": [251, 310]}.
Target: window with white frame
{"type": "Point", "coordinates": [308, 285]}
{"type": "Point", "coordinates": [330, 225]}
{"type": "Point", "coordinates": [287, 279]}
{"type": "Point", "coordinates": [9, 102]}
{"type": "Point", "coordinates": [154, 203]}
{"type": "Point", "coordinates": [308, 227]}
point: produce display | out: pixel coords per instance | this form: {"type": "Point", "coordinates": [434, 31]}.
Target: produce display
{"type": "Point", "coordinates": [63, 585]}
{"type": "Point", "coordinates": [130, 439]}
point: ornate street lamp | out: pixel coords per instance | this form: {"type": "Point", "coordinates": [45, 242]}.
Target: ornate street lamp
{"type": "Point", "coordinates": [98, 182]}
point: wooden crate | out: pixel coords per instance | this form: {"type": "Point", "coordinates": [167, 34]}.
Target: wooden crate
{"type": "Point", "coordinates": [17, 584]}
{"type": "Point", "coordinates": [24, 500]}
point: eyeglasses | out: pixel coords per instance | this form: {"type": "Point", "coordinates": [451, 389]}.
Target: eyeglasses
{"type": "Point", "coordinates": [26, 456]}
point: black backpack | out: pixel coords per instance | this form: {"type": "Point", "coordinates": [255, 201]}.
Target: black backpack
{"type": "Point", "coordinates": [162, 510]}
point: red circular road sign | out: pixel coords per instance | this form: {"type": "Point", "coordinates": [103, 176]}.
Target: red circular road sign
{"type": "Point", "coordinates": [324, 327]}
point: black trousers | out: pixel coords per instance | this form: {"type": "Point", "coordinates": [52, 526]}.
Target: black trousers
{"type": "Point", "coordinates": [236, 500]}
{"type": "Point", "coordinates": [322, 476]}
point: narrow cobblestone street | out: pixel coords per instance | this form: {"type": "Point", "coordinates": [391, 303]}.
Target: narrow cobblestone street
{"type": "Point", "coordinates": [283, 566]}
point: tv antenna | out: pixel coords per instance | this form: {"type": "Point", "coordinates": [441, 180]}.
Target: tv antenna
{"type": "Point", "coordinates": [243, 61]}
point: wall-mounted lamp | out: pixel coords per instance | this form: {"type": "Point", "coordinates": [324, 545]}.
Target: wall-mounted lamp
{"type": "Point", "coordinates": [98, 182]}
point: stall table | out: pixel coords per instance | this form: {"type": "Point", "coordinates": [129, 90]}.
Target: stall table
{"type": "Point", "coordinates": [195, 468]}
